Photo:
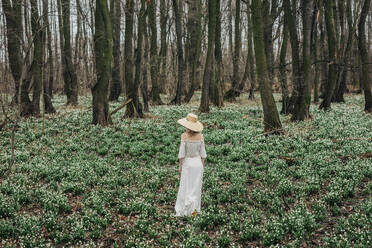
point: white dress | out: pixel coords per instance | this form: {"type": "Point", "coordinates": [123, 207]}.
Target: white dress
{"type": "Point", "coordinates": [189, 192]}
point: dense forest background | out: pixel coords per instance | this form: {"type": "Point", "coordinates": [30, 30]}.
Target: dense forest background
{"type": "Point", "coordinates": [146, 48]}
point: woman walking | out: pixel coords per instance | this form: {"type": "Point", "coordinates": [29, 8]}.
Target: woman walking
{"type": "Point", "coordinates": [191, 157]}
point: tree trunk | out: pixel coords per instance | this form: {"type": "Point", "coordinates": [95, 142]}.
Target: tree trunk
{"type": "Point", "coordinates": [163, 42]}
{"type": "Point", "coordinates": [103, 53]}
{"type": "Point", "coordinates": [330, 26]}
{"type": "Point", "coordinates": [237, 45]}
{"type": "Point", "coordinates": [270, 15]}
{"type": "Point", "coordinates": [37, 63]}
{"type": "Point", "coordinates": [216, 85]}
{"type": "Point", "coordinates": [315, 52]}
{"type": "Point", "coordinates": [115, 90]}
{"type": "Point", "coordinates": [154, 69]}
{"type": "Point", "coordinates": [303, 99]}
{"type": "Point", "coordinates": [365, 79]}
{"type": "Point", "coordinates": [140, 28]}
{"type": "Point", "coordinates": [271, 117]}
{"type": "Point", "coordinates": [178, 20]}
{"type": "Point", "coordinates": [289, 15]}
{"type": "Point", "coordinates": [69, 71]}
{"type": "Point", "coordinates": [144, 87]}
{"type": "Point", "coordinates": [194, 27]}
{"type": "Point", "coordinates": [251, 56]}
{"type": "Point", "coordinates": [14, 32]}
{"type": "Point", "coordinates": [283, 71]}
{"type": "Point", "coordinates": [208, 69]}
{"type": "Point", "coordinates": [48, 81]}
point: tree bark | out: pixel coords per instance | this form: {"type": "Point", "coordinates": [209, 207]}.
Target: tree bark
{"type": "Point", "coordinates": [283, 71]}
{"type": "Point", "coordinates": [103, 53]}
{"type": "Point", "coordinates": [154, 64]}
{"type": "Point", "coordinates": [289, 15]}
{"type": "Point", "coordinates": [144, 87]}
{"type": "Point", "coordinates": [251, 56]}
{"type": "Point", "coordinates": [48, 81]}
{"type": "Point", "coordinates": [331, 82]}
{"type": "Point", "coordinates": [116, 83]}
{"type": "Point", "coordinates": [37, 63]}
{"type": "Point", "coordinates": [140, 28]}
{"type": "Point", "coordinates": [178, 19]}
{"type": "Point", "coordinates": [69, 71]}
{"type": "Point", "coordinates": [194, 28]}
{"type": "Point", "coordinates": [14, 32]}
{"type": "Point", "coordinates": [216, 85]}
{"type": "Point", "coordinates": [271, 117]}
{"type": "Point", "coordinates": [363, 51]}
{"type": "Point", "coordinates": [163, 42]}
{"type": "Point", "coordinates": [237, 46]}
{"type": "Point", "coordinates": [303, 99]}
{"type": "Point", "coordinates": [209, 63]}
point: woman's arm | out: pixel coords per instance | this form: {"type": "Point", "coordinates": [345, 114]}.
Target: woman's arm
{"type": "Point", "coordinates": [180, 165]}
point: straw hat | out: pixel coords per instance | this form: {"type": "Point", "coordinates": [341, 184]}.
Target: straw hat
{"type": "Point", "coordinates": [191, 122]}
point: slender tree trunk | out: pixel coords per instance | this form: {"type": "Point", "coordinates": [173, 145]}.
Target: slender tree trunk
{"type": "Point", "coordinates": [283, 71]}
{"type": "Point", "coordinates": [178, 19]}
{"type": "Point", "coordinates": [315, 51]}
{"type": "Point", "coordinates": [303, 99]}
{"type": "Point", "coordinates": [48, 105]}
{"type": "Point", "coordinates": [37, 63]}
{"type": "Point", "coordinates": [349, 44]}
{"type": "Point", "coordinates": [14, 32]}
{"type": "Point", "coordinates": [144, 87]}
{"type": "Point", "coordinates": [208, 69]}
{"type": "Point", "coordinates": [237, 45]}
{"type": "Point", "coordinates": [69, 71]}
{"type": "Point", "coordinates": [140, 28]}
{"type": "Point", "coordinates": [363, 51]}
{"type": "Point", "coordinates": [270, 15]}
{"type": "Point", "coordinates": [216, 93]}
{"type": "Point", "coordinates": [297, 75]}
{"type": "Point", "coordinates": [331, 84]}
{"type": "Point", "coordinates": [134, 109]}
{"type": "Point", "coordinates": [271, 116]}
{"type": "Point", "coordinates": [251, 56]}
{"type": "Point", "coordinates": [194, 27]}
{"type": "Point", "coordinates": [103, 53]}
{"type": "Point", "coordinates": [163, 40]}
{"type": "Point", "coordinates": [115, 89]}
{"type": "Point", "coordinates": [154, 69]}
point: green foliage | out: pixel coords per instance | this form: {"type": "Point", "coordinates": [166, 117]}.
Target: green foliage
{"type": "Point", "coordinates": [80, 185]}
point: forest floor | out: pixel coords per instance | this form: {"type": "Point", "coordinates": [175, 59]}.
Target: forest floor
{"type": "Point", "coordinates": [82, 185]}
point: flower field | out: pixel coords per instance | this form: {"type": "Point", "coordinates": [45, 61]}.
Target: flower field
{"type": "Point", "coordinates": [81, 185]}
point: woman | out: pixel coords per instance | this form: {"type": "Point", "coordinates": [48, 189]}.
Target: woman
{"type": "Point", "coordinates": [191, 157]}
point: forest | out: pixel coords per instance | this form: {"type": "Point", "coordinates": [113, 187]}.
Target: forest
{"type": "Point", "coordinates": [90, 95]}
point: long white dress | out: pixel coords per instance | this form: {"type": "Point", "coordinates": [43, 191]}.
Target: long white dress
{"type": "Point", "coordinates": [189, 192]}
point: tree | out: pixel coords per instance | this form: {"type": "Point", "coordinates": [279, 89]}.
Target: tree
{"type": "Point", "coordinates": [271, 116]}
{"type": "Point", "coordinates": [194, 43]}
{"type": "Point", "coordinates": [331, 82]}
{"type": "Point", "coordinates": [103, 53]}
{"type": "Point", "coordinates": [216, 85]}
{"type": "Point", "coordinates": [115, 90]}
{"type": "Point", "coordinates": [37, 63]}
{"type": "Point", "coordinates": [69, 71]}
{"type": "Point", "coordinates": [154, 64]}
{"type": "Point", "coordinates": [48, 82]}
{"type": "Point", "coordinates": [230, 95]}
{"type": "Point", "coordinates": [363, 51]}
{"type": "Point", "coordinates": [178, 19]}
{"type": "Point", "coordinates": [283, 71]}
{"type": "Point", "coordinates": [14, 32]}
{"type": "Point", "coordinates": [134, 92]}
{"type": "Point", "coordinates": [134, 108]}
{"type": "Point", "coordinates": [209, 63]}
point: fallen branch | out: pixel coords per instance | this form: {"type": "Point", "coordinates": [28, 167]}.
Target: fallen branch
{"type": "Point", "coordinates": [120, 107]}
